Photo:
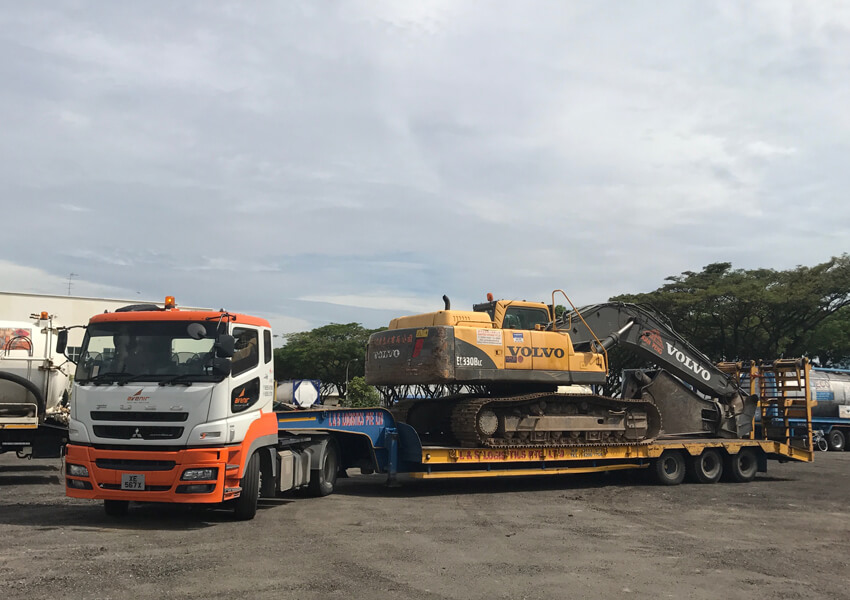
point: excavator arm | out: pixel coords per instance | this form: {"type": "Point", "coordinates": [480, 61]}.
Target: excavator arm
{"type": "Point", "coordinates": [726, 411]}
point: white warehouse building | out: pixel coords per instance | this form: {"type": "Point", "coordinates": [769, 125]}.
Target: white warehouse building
{"type": "Point", "coordinates": [66, 311]}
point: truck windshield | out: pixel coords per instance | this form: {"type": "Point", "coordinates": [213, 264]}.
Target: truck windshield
{"type": "Point", "coordinates": [120, 352]}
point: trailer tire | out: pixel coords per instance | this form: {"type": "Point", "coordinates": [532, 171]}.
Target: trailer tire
{"type": "Point", "coordinates": [669, 468]}
{"type": "Point", "coordinates": [245, 506]}
{"type": "Point", "coordinates": [116, 508]}
{"type": "Point", "coordinates": [741, 467]}
{"type": "Point", "coordinates": [707, 467]}
{"type": "Point", "coordinates": [835, 440]}
{"type": "Point", "coordinates": [323, 479]}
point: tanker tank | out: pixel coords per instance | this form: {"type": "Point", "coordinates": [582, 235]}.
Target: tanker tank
{"type": "Point", "coordinates": [831, 389]}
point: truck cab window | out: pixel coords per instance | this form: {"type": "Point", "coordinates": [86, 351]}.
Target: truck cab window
{"type": "Point", "coordinates": [247, 354]}
{"type": "Point", "coordinates": [267, 345]}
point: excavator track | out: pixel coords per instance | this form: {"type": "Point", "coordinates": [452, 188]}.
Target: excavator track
{"type": "Point", "coordinates": [533, 420]}
{"type": "Point", "coordinates": [547, 419]}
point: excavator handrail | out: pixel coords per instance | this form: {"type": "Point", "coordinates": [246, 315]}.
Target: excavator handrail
{"type": "Point", "coordinates": [575, 310]}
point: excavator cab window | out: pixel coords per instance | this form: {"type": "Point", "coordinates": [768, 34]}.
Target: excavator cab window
{"type": "Point", "coordinates": [519, 317]}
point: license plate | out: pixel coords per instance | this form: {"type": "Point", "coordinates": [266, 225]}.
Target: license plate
{"type": "Point", "coordinates": [132, 481]}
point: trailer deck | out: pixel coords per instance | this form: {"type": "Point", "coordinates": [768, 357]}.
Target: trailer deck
{"type": "Point", "coordinates": [394, 448]}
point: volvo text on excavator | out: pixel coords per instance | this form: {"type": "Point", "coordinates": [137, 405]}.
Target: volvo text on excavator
{"type": "Point", "coordinates": [509, 374]}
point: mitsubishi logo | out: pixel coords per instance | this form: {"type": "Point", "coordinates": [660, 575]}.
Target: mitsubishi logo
{"type": "Point", "coordinates": [136, 435]}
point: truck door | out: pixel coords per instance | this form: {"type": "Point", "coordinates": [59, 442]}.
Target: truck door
{"type": "Point", "coordinates": [245, 374]}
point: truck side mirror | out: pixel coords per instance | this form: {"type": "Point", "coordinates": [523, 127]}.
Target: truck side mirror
{"type": "Point", "coordinates": [225, 346]}
{"type": "Point", "coordinates": [61, 341]}
{"type": "Point", "coordinates": [221, 366]}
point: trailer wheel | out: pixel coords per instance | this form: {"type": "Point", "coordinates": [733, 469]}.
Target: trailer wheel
{"type": "Point", "coordinates": [835, 440]}
{"type": "Point", "coordinates": [707, 467]}
{"type": "Point", "coordinates": [116, 508]}
{"type": "Point", "coordinates": [323, 479]}
{"type": "Point", "coordinates": [245, 506]}
{"type": "Point", "coordinates": [742, 467]}
{"type": "Point", "coordinates": [669, 468]}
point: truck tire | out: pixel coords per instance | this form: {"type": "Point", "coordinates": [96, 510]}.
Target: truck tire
{"type": "Point", "coordinates": [707, 467]}
{"type": "Point", "coordinates": [245, 506]}
{"type": "Point", "coordinates": [323, 479]}
{"type": "Point", "coordinates": [669, 468]}
{"type": "Point", "coordinates": [268, 485]}
{"type": "Point", "coordinates": [116, 508]}
{"type": "Point", "coordinates": [835, 440]}
{"type": "Point", "coordinates": [741, 467]}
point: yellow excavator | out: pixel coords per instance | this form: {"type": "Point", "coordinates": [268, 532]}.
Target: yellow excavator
{"type": "Point", "coordinates": [508, 373]}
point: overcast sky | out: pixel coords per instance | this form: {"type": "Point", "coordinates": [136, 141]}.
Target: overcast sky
{"type": "Point", "coordinates": [317, 162]}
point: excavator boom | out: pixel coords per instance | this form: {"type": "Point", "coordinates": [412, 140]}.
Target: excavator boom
{"type": "Point", "coordinates": [599, 327]}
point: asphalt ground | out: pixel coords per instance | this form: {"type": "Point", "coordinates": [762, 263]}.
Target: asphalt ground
{"type": "Point", "coordinates": [785, 535]}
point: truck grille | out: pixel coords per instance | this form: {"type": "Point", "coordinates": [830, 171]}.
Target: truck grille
{"type": "Point", "coordinates": [132, 432]}
{"type": "Point", "coordinates": [126, 464]}
{"type": "Point", "coordinates": [110, 415]}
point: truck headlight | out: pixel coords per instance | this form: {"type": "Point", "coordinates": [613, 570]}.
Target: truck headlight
{"type": "Point", "coordinates": [78, 471]}
{"type": "Point", "coordinates": [199, 474]}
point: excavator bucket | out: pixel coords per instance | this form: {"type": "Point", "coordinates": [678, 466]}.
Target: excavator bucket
{"type": "Point", "coordinates": [684, 411]}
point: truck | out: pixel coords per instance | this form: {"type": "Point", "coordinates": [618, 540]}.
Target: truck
{"type": "Point", "coordinates": [34, 386]}
{"type": "Point", "coordinates": [178, 406]}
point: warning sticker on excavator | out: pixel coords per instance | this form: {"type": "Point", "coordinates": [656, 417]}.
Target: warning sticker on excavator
{"type": "Point", "coordinates": [652, 339]}
{"type": "Point", "coordinates": [489, 337]}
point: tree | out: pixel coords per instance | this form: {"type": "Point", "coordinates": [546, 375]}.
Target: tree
{"type": "Point", "coordinates": [829, 341]}
{"type": "Point", "coordinates": [327, 353]}
{"type": "Point", "coordinates": [361, 395]}
{"type": "Point", "coordinates": [761, 313]}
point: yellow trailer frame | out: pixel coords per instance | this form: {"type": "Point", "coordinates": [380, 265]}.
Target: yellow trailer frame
{"type": "Point", "coordinates": [553, 461]}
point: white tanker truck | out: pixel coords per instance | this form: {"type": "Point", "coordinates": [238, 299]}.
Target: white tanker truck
{"type": "Point", "coordinates": [34, 385]}
{"type": "Point", "coordinates": [831, 414]}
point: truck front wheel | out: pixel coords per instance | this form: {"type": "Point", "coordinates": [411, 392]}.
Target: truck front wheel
{"type": "Point", "coordinates": [245, 506]}
{"type": "Point", "coordinates": [323, 479]}
{"type": "Point", "coordinates": [835, 440]}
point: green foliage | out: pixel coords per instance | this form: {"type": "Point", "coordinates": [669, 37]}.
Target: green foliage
{"type": "Point", "coordinates": [761, 313]}
{"type": "Point", "coordinates": [361, 395]}
{"type": "Point", "coordinates": [328, 353]}
{"type": "Point", "coordinates": [830, 340]}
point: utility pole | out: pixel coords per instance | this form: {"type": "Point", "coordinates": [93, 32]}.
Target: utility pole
{"type": "Point", "coordinates": [348, 364]}
{"type": "Point", "coordinates": [70, 277]}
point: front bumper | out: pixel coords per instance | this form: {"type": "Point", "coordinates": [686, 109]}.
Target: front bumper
{"type": "Point", "coordinates": [162, 472]}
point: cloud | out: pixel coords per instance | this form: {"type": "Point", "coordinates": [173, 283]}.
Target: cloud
{"type": "Point", "coordinates": [405, 304]}
{"type": "Point", "coordinates": [354, 161]}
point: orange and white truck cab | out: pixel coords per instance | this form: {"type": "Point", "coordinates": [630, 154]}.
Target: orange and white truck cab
{"type": "Point", "coordinates": [176, 406]}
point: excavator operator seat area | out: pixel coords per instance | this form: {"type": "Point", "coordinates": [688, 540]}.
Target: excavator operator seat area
{"type": "Point", "coordinates": [522, 317]}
